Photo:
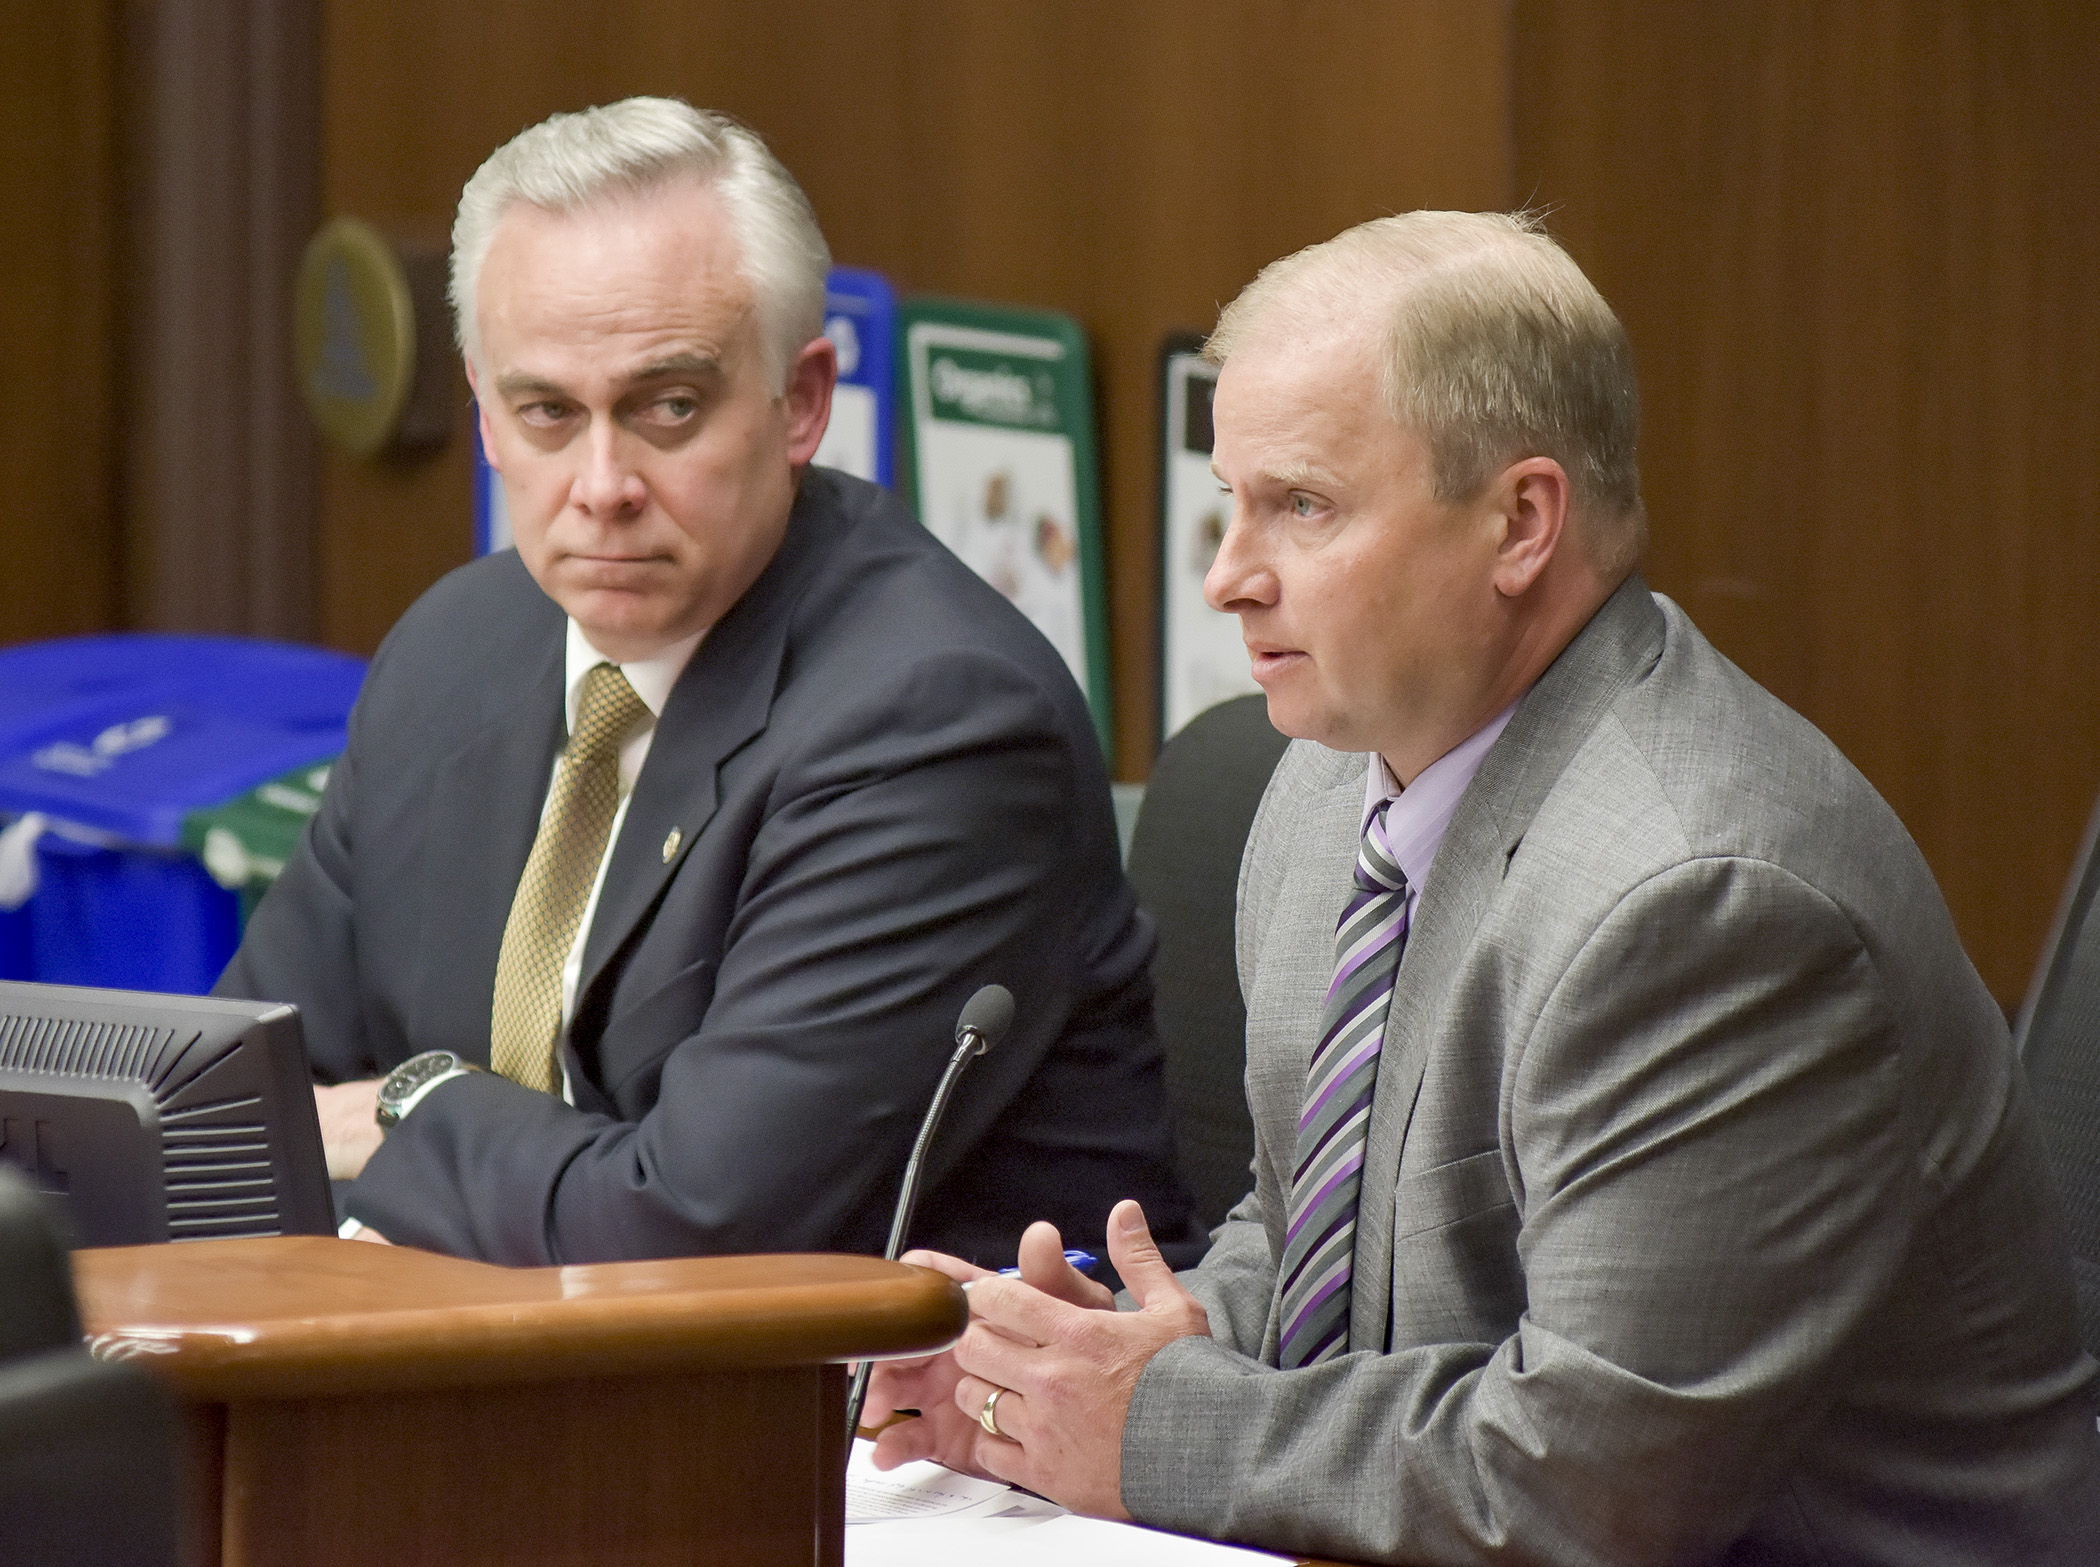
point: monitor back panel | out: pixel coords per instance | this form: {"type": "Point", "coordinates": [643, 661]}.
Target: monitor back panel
{"type": "Point", "coordinates": [149, 1117]}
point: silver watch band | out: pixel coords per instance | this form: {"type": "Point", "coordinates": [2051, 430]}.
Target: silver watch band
{"type": "Point", "coordinates": [423, 1091]}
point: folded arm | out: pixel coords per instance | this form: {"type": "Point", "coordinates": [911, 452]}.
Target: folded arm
{"type": "Point", "coordinates": [904, 857]}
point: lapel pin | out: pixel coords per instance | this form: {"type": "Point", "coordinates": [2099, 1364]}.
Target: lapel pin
{"type": "Point", "coordinates": [672, 840]}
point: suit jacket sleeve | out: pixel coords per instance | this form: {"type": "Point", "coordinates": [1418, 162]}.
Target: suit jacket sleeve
{"type": "Point", "coordinates": [302, 940]}
{"type": "Point", "coordinates": [909, 849]}
{"type": "Point", "coordinates": [1237, 1278]}
{"type": "Point", "coordinates": [1681, 1110]}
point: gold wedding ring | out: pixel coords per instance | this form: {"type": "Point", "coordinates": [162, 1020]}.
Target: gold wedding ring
{"type": "Point", "coordinates": [988, 1417]}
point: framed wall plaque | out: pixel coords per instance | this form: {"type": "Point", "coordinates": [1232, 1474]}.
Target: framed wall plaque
{"type": "Point", "coordinates": [373, 343]}
{"type": "Point", "coordinates": [356, 337]}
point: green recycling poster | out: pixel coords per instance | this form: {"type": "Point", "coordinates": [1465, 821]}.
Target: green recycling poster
{"type": "Point", "coordinates": [999, 455]}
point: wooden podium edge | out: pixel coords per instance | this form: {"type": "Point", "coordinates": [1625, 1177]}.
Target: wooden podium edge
{"type": "Point", "coordinates": [223, 1320]}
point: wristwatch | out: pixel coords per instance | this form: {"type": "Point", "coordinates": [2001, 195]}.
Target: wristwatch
{"type": "Point", "coordinates": [412, 1079]}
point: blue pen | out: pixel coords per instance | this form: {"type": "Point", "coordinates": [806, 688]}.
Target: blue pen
{"type": "Point", "coordinates": [1084, 1261]}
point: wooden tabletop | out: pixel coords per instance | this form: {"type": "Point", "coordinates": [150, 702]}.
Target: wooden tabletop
{"type": "Point", "coordinates": [295, 1315]}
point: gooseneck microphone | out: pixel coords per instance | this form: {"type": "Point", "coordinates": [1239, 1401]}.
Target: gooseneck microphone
{"type": "Point", "coordinates": [985, 1018]}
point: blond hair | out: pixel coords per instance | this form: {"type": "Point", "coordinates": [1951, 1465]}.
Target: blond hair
{"type": "Point", "coordinates": [1494, 347]}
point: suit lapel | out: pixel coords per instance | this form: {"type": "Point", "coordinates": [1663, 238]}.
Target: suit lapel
{"type": "Point", "coordinates": [1621, 641]}
{"type": "Point", "coordinates": [484, 812]}
{"type": "Point", "coordinates": [1460, 883]}
{"type": "Point", "coordinates": [721, 701]}
{"type": "Point", "coordinates": [1620, 644]}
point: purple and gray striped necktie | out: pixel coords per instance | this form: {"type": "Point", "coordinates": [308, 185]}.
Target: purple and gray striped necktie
{"type": "Point", "coordinates": [1319, 1247]}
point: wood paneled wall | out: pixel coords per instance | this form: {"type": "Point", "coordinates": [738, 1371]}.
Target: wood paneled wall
{"type": "Point", "coordinates": [1132, 163]}
{"type": "Point", "coordinates": [1853, 245]}
{"type": "Point", "coordinates": [59, 553]}
{"type": "Point", "coordinates": [1854, 248]}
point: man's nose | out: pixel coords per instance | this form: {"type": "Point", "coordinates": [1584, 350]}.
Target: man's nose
{"type": "Point", "coordinates": [1238, 577]}
{"type": "Point", "coordinates": [609, 483]}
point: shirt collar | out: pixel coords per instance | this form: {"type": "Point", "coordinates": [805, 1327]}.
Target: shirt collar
{"type": "Point", "coordinates": [652, 677]}
{"type": "Point", "coordinates": [1414, 826]}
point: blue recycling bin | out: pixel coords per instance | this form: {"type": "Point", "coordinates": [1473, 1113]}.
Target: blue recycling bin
{"type": "Point", "coordinates": [113, 741]}
{"type": "Point", "coordinates": [133, 918]}
{"type": "Point", "coordinates": [15, 961]}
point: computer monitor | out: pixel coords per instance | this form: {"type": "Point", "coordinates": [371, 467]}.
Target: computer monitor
{"type": "Point", "coordinates": [146, 1117]}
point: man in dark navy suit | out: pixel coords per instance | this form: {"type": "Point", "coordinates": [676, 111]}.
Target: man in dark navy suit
{"type": "Point", "coordinates": [666, 849]}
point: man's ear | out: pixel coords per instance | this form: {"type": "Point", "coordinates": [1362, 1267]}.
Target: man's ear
{"type": "Point", "coordinates": [1532, 499]}
{"type": "Point", "coordinates": [481, 416]}
{"type": "Point", "coordinates": [807, 398]}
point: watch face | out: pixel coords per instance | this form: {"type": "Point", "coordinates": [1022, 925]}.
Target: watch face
{"type": "Point", "coordinates": [412, 1074]}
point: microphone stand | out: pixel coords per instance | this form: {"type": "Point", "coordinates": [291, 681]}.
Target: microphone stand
{"type": "Point", "coordinates": [985, 1017]}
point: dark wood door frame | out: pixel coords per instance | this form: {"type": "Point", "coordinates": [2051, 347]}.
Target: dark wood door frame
{"type": "Point", "coordinates": [223, 148]}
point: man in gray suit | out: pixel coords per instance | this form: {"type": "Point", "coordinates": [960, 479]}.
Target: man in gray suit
{"type": "Point", "coordinates": [667, 847]}
{"type": "Point", "coordinates": [1643, 1174]}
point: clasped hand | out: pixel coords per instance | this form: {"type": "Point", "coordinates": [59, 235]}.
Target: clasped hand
{"type": "Point", "coordinates": [1068, 1360]}
{"type": "Point", "coordinates": [349, 1131]}
{"type": "Point", "coordinates": [349, 1128]}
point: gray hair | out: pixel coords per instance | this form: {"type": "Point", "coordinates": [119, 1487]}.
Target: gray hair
{"type": "Point", "coordinates": [1495, 347]}
{"type": "Point", "coordinates": [571, 161]}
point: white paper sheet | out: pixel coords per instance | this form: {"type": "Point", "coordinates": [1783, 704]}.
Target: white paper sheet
{"type": "Point", "coordinates": [921, 1515]}
{"type": "Point", "coordinates": [913, 1491]}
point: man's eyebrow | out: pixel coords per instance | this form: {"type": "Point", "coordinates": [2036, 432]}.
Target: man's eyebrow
{"type": "Point", "coordinates": [677, 364]}
{"type": "Point", "coordinates": [1297, 475]}
{"type": "Point", "coordinates": [1302, 475]}
{"type": "Point", "coordinates": [518, 384]}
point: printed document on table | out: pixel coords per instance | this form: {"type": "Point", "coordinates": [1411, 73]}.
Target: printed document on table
{"type": "Point", "coordinates": [922, 1515]}
{"type": "Point", "coordinates": [918, 1491]}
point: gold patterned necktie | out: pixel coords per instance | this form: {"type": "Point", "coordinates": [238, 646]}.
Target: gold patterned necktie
{"type": "Point", "coordinates": [557, 881]}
